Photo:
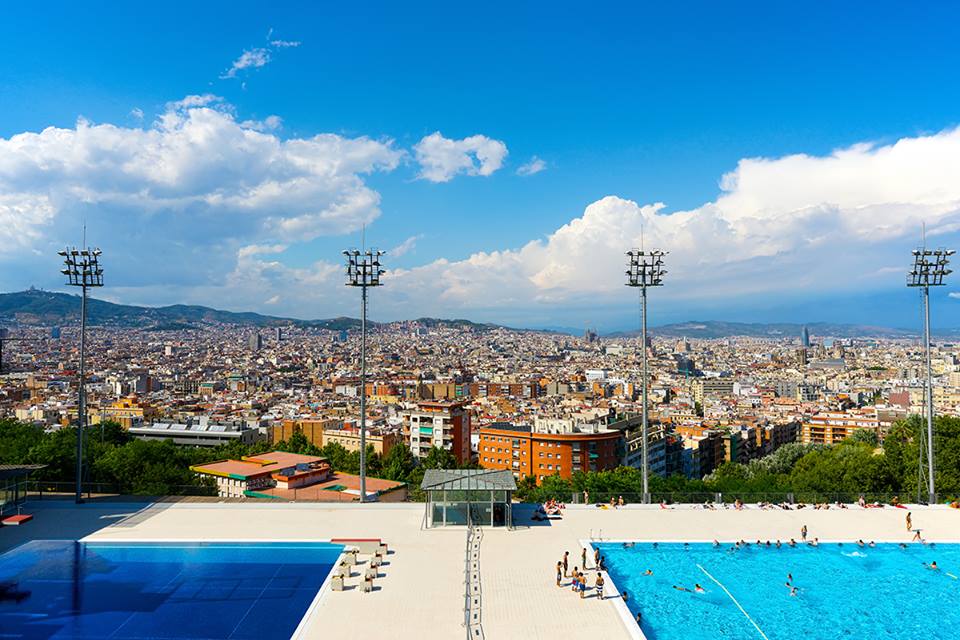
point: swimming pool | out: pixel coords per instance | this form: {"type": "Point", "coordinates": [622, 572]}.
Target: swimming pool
{"type": "Point", "coordinates": [217, 591]}
{"type": "Point", "coordinates": [843, 591]}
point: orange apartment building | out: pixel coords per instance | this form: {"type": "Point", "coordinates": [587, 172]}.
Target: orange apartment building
{"type": "Point", "coordinates": [526, 452]}
{"type": "Point", "coordinates": [831, 427]}
{"type": "Point", "coordinates": [311, 428]}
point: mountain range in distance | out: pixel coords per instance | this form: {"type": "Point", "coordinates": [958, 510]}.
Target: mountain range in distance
{"type": "Point", "coordinates": [48, 308]}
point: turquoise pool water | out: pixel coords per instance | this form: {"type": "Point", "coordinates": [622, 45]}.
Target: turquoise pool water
{"type": "Point", "coordinates": [57, 589]}
{"type": "Point", "coordinates": [843, 591]}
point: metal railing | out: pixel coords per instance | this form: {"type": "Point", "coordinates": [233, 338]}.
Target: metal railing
{"type": "Point", "coordinates": [730, 498]}
{"type": "Point", "coordinates": [44, 489]}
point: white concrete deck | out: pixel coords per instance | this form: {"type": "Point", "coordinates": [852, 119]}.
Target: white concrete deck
{"type": "Point", "coordinates": [420, 593]}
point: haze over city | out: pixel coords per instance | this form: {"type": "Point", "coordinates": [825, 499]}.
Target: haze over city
{"type": "Point", "coordinates": [505, 165]}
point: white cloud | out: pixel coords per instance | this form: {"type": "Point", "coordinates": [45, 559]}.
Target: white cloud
{"type": "Point", "coordinates": [535, 165]}
{"type": "Point", "coordinates": [258, 57]}
{"type": "Point", "coordinates": [137, 113]}
{"type": "Point", "coordinates": [779, 226]}
{"type": "Point", "coordinates": [249, 59]}
{"type": "Point", "coordinates": [270, 123]}
{"type": "Point", "coordinates": [197, 186]}
{"type": "Point", "coordinates": [441, 158]}
{"type": "Point", "coordinates": [954, 294]}
{"type": "Point", "coordinates": [405, 247]}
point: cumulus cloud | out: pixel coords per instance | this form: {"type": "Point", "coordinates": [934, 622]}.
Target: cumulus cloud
{"type": "Point", "coordinates": [535, 165]}
{"type": "Point", "coordinates": [778, 225]}
{"type": "Point", "coordinates": [441, 159]}
{"type": "Point", "coordinates": [196, 185]}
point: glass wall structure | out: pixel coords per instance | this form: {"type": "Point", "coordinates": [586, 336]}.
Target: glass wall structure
{"type": "Point", "coordinates": [13, 485]}
{"type": "Point", "coordinates": [458, 496]}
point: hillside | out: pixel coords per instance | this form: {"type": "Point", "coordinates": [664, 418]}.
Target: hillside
{"type": "Point", "coordinates": [774, 330]}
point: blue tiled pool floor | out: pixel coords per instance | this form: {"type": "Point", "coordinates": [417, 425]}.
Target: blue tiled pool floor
{"type": "Point", "coordinates": [842, 591]}
{"type": "Point", "coordinates": [217, 591]}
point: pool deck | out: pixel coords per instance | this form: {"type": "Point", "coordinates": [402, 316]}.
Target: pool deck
{"type": "Point", "coordinates": [420, 591]}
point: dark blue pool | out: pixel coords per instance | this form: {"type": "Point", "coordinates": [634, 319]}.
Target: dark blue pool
{"type": "Point", "coordinates": [66, 589]}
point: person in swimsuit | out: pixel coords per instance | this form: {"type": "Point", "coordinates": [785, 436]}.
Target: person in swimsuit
{"type": "Point", "coordinates": [559, 572]}
{"type": "Point", "coordinates": [599, 585]}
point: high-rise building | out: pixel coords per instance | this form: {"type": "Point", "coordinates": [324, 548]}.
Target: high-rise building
{"type": "Point", "coordinates": [805, 337]}
{"type": "Point", "coordinates": [55, 333]}
{"type": "Point", "coordinates": [255, 342]}
{"type": "Point", "coordinates": [279, 333]}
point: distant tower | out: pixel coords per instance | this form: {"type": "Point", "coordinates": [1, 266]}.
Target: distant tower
{"type": "Point", "coordinates": [55, 333]}
{"type": "Point", "coordinates": [255, 342]}
{"type": "Point", "coordinates": [279, 334]}
{"type": "Point", "coordinates": [805, 337]}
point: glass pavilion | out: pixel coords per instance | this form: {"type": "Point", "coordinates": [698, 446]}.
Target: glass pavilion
{"type": "Point", "coordinates": [480, 495]}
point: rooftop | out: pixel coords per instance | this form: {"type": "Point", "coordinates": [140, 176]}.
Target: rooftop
{"type": "Point", "coordinates": [468, 479]}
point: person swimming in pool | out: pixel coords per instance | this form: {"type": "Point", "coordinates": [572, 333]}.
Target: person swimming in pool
{"type": "Point", "coordinates": [648, 572]}
{"type": "Point", "coordinates": [699, 589]}
{"type": "Point", "coordinates": [932, 566]}
{"type": "Point", "coordinates": [679, 588]}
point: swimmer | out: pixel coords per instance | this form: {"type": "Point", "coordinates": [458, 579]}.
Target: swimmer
{"type": "Point", "coordinates": [860, 543]}
{"type": "Point", "coordinates": [778, 544]}
{"type": "Point", "coordinates": [932, 566]}
{"type": "Point", "coordinates": [793, 592]}
{"type": "Point", "coordinates": [793, 542]}
{"type": "Point", "coordinates": [872, 544]}
{"type": "Point", "coordinates": [682, 589]}
{"type": "Point", "coordinates": [715, 544]}
{"type": "Point", "coordinates": [700, 589]}
{"type": "Point", "coordinates": [648, 572]}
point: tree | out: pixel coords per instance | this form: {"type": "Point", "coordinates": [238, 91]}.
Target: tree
{"type": "Point", "coordinates": [398, 464]}
{"type": "Point", "coordinates": [865, 436]}
{"type": "Point", "coordinates": [438, 458]}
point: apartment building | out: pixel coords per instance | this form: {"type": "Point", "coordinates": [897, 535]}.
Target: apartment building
{"type": "Point", "coordinates": [544, 450]}
{"type": "Point", "coordinates": [438, 423]}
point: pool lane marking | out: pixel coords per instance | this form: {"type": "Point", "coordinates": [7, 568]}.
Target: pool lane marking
{"type": "Point", "coordinates": [742, 610]}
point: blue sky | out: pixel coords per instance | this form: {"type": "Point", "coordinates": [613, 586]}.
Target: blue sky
{"type": "Point", "coordinates": [650, 104]}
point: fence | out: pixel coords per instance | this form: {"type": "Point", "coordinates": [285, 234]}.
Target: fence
{"type": "Point", "coordinates": [780, 497]}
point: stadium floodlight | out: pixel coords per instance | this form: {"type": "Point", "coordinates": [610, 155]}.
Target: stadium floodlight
{"type": "Point", "coordinates": [363, 270]}
{"type": "Point", "coordinates": [82, 270]}
{"type": "Point", "coordinates": [645, 269]}
{"type": "Point", "coordinates": [930, 267]}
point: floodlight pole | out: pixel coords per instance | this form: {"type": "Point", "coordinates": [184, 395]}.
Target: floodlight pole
{"type": "Point", "coordinates": [929, 270]}
{"type": "Point", "coordinates": [645, 269]}
{"type": "Point", "coordinates": [363, 270]}
{"type": "Point", "coordinates": [82, 270]}
{"type": "Point", "coordinates": [931, 490]}
{"type": "Point", "coordinates": [644, 416]}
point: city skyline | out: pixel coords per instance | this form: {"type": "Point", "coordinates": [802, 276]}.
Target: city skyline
{"type": "Point", "coordinates": [229, 165]}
